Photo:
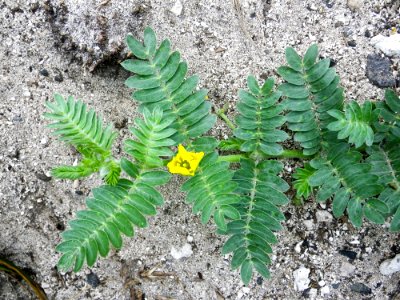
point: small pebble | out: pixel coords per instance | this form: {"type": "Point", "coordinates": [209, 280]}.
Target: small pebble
{"type": "Point", "coordinates": [297, 248]}
{"type": "Point", "coordinates": [177, 8]}
{"type": "Point", "coordinates": [347, 269]}
{"type": "Point", "coordinates": [42, 177]}
{"type": "Point", "coordinates": [260, 280]}
{"type": "Point", "coordinates": [325, 290]}
{"type": "Point", "coordinates": [92, 279]}
{"type": "Point", "coordinates": [352, 43]}
{"type": "Point", "coordinates": [301, 280]}
{"type": "Point", "coordinates": [379, 71]}
{"type": "Point", "coordinates": [336, 285]}
{"type": "Point", "coordinates": [360, 288]}
{"type": "Point", "coordinates": [323, 216]}
{"type": "Point", "coordinates": [390, 45]}
{"type": "Point", "coordinates": [309, 224]}
{"type": "Point", "coordinates": [44, 72]}
{"type": "Point", "coordinates": [348, 253]}
{"type": "Point", "coordinates": [185, 251]}
{"type": "Point", "coordinates": [354, 4]}
{"type": "Point", "coordinates": [390, 266]}
{"type": "Point", "coordinates": [58, 78]}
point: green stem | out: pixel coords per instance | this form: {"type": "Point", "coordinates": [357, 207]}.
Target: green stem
{"type": "Point", "coordinates": [221, 114]}
{"type": "Point", "coordinates": [285, 154]}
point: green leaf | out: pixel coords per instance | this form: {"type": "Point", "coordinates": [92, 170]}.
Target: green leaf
{"type": "Point", "coordinates": [160, 83]}
{"type": "Point", "coordinates": [354, 209]}
{"type": "Point", "coordinates": [311, 89]}
{"type": "Point", "coordinates": [395, 224]}
{"type": "Point", "coordinates": [204, 144]}
{"type": "Point", "coordinates": [112, 211]}
{"type": "Point", "coordinates": [150, 41]}
{"type": "Point", "coordinates": [355, 124]}
{"type": "Point", "coordinates": [246, 272]}
{"type": "Point", "coordinates": [302, 184]}
{"type": "Point", "coordinates": [129, 168]}
{"type": "Point", "coordinates": [310, 56]}
{"type": "Point", "coordinates": [136, 47]}
{"type": "Point", "coordinates": [293, 59]}
{"type": "Point", "coordinates": [155, 178]}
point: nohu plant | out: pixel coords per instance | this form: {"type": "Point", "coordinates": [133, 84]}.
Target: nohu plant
{"type": "Point", "coordinates": [351, 152]}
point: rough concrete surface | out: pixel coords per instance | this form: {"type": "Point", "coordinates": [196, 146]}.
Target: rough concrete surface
{"type": "Point", "coordinates": [74, 48]}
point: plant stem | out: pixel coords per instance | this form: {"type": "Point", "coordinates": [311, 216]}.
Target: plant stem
{"type": "Point", "coordinates": [221, 114]}
{"type": "Point", "coordinates": [285, 154]}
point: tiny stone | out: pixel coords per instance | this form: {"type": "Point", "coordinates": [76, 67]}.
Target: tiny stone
{"type": "Point", "coordinates": [45, 285]}
{"type": "Point", "coordinates": [44, 72]}
{"type": "Point", "coordinates": [185, 251]}
{"type": "Point", "coordinates": [309, 224]}
{"type": "Point", "coordinates": [329, 3]}
{"type": "Point", "coordinates": [354, 4]}
{"type": "Point", "coordinates": [58, 78]}
{"type": "Point", "coordinates": [301, 280]}
{"type": "Point", "coordinates": [390, 45]}
{"type": "Point", "coordinates": [325, 290]}
{"type": "Point", "coordinates": [336, 285]}
{"type": "Point", "coordinates": [347, 31]}
{"type": "Point", "coordinates": [348, 253]}
{"type": "Point", "coordinates": [80, 193]}
{"type": "Point", "coordinates": [297, 248]}
{"type": "Point", "coordinates": [323, 216]}
{"type": "Point", "coordinates": [189, 238]}
{"type": "Point", "coordinates": [360, 288]}
{"type": "Point", "coordinates": [44, 141]}
{"type": "Point", "coordinates": [379, 71]}
{"type": "Point", "coordinates": [177, 8]}
{"type": "Point", "coordinates": [338, 24]}
{"type": "Point", "coordinates": [390, 266]}
{"type": "Point", "coordinates": [347, 269]}
{"type": "Point", "coordinates": [246, 290]}
{"type": "Point", "coordinates": [367, 33]}
{"type": "Point", "coordinates": [42, 177]}
{"type": "Point", "coordinates": [92, 279]}
{"type": "Point", "coordinates": [322, 283]}
{"type": "Point", "coordinates": [352, 43]}
{"type": "Point", "coordinates": [259, 280]}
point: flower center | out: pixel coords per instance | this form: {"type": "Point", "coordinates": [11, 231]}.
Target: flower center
{"type": "Point", "coordinates": [184, 164]}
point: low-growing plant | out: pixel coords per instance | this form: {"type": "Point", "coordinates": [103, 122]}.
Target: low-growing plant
{"type": "Point", "coordinates": [350, 152]}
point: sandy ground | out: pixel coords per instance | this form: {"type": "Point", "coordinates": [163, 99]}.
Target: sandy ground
{"type": "Point", "coordinates": [73, 47]}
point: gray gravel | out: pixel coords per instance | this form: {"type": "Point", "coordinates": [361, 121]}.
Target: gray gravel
{"type": "Point", "coordinates": [73, 47]}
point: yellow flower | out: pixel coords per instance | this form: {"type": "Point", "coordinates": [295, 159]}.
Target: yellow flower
{"type": "Point", "coordinates": [185, 162]}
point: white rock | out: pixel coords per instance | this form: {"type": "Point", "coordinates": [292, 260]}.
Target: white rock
{"type": "Point", "coordinates": [246, 290]}
{"type": "Point", "coordinates": [323, 216]}
{"type": "Point", "coordinates": [347, 269]}
{"type": "Point", "coordinates": [189, 238]}
{"type": "Point", "coordinates": [389, 45]}
{"type": "Point", "coordinates": [354, 4]}
{"type": "Point", "coordinates": [309, 224]}
{"type": "Point", "coordinates": [390, 266]}
{"type": "Point", "coordinates": [325, 290]}
{"type": "Point", "coordinates": [185, 251]}
{"type": "Point", "coordinates": [297, 248]}
{"type": "Point", "coordinates": [177, 8]}
{"type": "Point", "coordinates": [313, 293]}
{"type": "Point", "coordinates": [301, 280]}
{"type": "Point", "coordinates": [322, 283]}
